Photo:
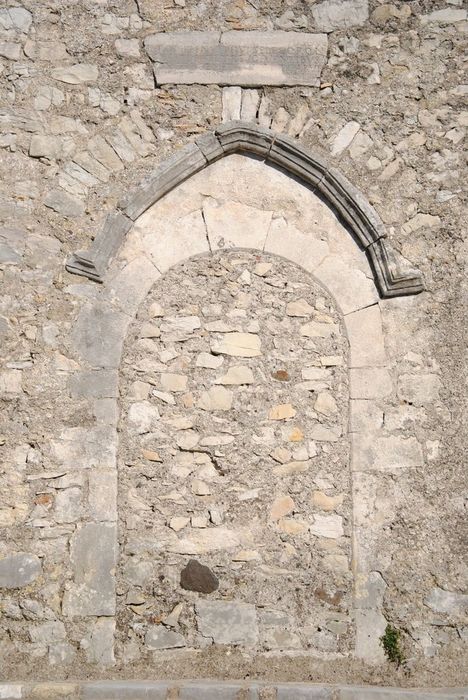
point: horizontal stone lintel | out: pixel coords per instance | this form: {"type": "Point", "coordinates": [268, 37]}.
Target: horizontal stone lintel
{"type": "Point", "coordinates": [248, 59]}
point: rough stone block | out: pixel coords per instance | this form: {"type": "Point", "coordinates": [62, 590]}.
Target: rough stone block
{"type": "Point", "coordinates": [364, 329]}
{"type": "Point", "coordinates": [227, 622]}
{"type": "Point", "coordinates": [93, 557]}
{"type": "Point", "coordinates": [340, 14]}
{"type": "Point", "coordinates": [99, 333]}
{"type": "Point", "coordinates": [94, 384]}
{"type": "Point", "coordinates": [419, 389]}
{"type": "Point", "coordinates": [370, 626]}
{"type": "Point", "coordinates": [248, 59]}
{"type": "Point", "coordinates": [385, 453]}
{"type": "Point", "coordinates": [19, 570]}
{"type": "Point", "coordinates": [159, 637]}
{"type": "Point", "coordinates": [448, 602]}
{"type": "Point", "coordinates": [103, 494]}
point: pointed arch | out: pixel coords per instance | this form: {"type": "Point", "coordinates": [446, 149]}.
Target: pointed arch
{"type": "Point", "coordinates": [393, 275]}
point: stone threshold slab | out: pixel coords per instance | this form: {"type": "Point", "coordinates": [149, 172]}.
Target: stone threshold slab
{"type": "Point", "coordinates": [217, 690]}
{"type": "Point", "coordinates": [248, 59]}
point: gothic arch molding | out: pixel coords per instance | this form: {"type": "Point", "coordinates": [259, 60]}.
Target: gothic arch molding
{"type": "Point", "coordinates": [392, 274]}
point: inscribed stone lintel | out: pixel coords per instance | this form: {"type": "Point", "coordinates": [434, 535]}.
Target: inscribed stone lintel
{"type": "Point", "coordinates": [248, 59]}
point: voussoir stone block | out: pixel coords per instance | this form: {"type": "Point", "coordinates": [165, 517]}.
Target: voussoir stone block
{"type": "Point", "coordinates": [350, 287]}
{"type": "Point", "coordinates": [286, 240]}
{"type": "Point", "coordinates": [248, 59]}
{"type": "Point", "coordinates": [172, 240]}
{"type": "Point", "coordinates": [93, 557]}
{"type": "Point", "coordinates": [231, 224]}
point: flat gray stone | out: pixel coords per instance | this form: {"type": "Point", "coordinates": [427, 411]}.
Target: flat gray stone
{"type": "Point", "coordinates": [19, 570]}
{"type": "Point", "coordinates": [340, 14]}
{"type": "Point", "coordinates": [248, 59]}
{"type": "Point", "coordinates": [93, 557]}
{"type": "Point", "coordinates": [219, 691]}
{"type": "Point", "coordinates": [94, 384]}
{"type": "Point", "coordinates": [64, 203]}
{"type": "Point", "coordinates": [294, 692]}
{"type": "Point", "coordinates": [124, 690]}
{"type": "Point", "coordinates": [227, 622]}
{"type": "Point", "coordinates": [98, 335]}
{"type": "Point", "coordinates": [447, 602]}
{"type": "Point", "coordinates": [16, 18]}
{"type": "Point", "coordinates": [159, 637]}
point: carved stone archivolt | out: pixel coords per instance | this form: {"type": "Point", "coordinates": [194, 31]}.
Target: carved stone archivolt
{"type": "Point", "coordinates": [393, 275]}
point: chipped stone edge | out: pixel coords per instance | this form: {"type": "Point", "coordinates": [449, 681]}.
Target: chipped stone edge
{"type": "Point", "coordinates": [393, 275]}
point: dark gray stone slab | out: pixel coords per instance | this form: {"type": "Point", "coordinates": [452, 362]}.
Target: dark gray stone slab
{"type": "Point", "coordinates": [248, 59]}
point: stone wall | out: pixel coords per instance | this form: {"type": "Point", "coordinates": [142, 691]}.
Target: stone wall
{"type": "Point", "coordinates": [81, 122]}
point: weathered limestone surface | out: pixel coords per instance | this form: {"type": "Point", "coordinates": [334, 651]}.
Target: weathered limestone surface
{"type": "Point", "coordinates": [237, 58]}
{"type": "Point", "coordinates": [82, 123]}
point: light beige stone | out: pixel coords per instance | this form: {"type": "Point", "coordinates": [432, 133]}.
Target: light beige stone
{"type": "Point", "coordinates": [324, 502]}
{"type": "Point", "coordinates": [364, 329]}
{"type": "Point", "coordinates": [370, 383]}
{"type": "Point", "coordinates": [178, 523]}
{"type": "Point", "coordinates": [238, 374]}
{"type": "Point", "coordinates": [325, 404]}
{"type": "Point", "coordinates": [209, 361]}
{"type": "Point", "coordinates": [281, 506]}
{"type": "Point", "coordinates": [216, 399]}
{"type": "Point", "coordinates": [291, 468]}
{"type": "Point", "coordinates": [232, 224]}
{"type": "Point", "coordinates": [282, 412]}
{"type": "Point", "coordinates": [151, 455]}
{"type": "Point", "coordinates": [330, 526]}
{"type": "Point", "coordinates": [281, 455]}
{"type": "Point", "coordinates": [174, 382]}
{"type": "Point", "coordinates": [200, 488]}
{"type": "Point", "coordinates": [292, 527]}
{"type": "Point", "coordinates": [202, 541]}
{"type": "Point", "coordinates": [237, 345]}
{"type": "Point", "coordinates": [314, 329]}
{"type": "Point", "coordinates": [419, 389]}
{"type": "Point", "coordinates": [299, 308]}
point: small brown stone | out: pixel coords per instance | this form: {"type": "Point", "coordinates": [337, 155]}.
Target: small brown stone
{"type": "Point", "coordinates": [196, 577]}
{"type": "Point", "coordinates": [281, 375]}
